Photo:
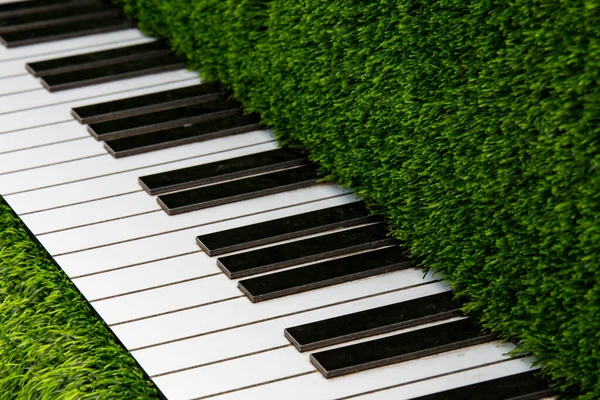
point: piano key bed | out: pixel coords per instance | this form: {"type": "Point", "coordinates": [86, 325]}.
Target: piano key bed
{"type": "Point", "coordinates": [222, 262]}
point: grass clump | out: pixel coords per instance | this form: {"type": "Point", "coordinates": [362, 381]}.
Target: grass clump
{"type": "Point", "coordinates": [51, 345]}
{"type": "Point", "coordinates": [474, 126]}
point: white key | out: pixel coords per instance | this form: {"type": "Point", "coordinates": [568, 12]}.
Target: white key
{"type": "Point", "coordinates": [16, 67]}
{"type": "Point", "coordinates": [48, 155]}
{"type": "Point", "coordinates": [104, 176]}
{"type": "Point", "coordinates": [261, 368]}
{"type": "Point", "coordinates": [145, 276]}
{"type": "Point", "coordinates": [18, 84]}
{"type": "Point", "coordinates": [315, 387]}
{"type": "Point", "coordinates": [202, 320]}
{"type": "Point", "coordinates": [54, 47]}
{"type": "Point", "coordinates": [453, 381]}
{"type": "Point", "coordinates": [171, 244]}
{"type": "Point", "coordinates": [45, 135]}
{"type": "Point", "coordinates": [135, 227]}
{"type": "Point", "coordinates": [262, 336]}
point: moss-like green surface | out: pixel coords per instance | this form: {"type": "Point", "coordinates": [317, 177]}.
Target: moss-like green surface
{"type": "Point", "coordinates": [51, 345]}
{"type": "Point", "coordinates": [473, 125]}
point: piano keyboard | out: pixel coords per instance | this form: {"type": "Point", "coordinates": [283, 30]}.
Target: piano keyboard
{"type": "Point", "coordinates": [220, 261]}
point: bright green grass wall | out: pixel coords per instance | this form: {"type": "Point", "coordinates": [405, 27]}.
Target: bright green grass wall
{"type": "Point", "coordinates": [474, 125]}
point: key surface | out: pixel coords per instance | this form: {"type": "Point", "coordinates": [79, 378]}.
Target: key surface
{"type": "Point", "coordinates": [220, 171]}
{"type": "Point", "coordinates": [64, 31]}
{"type": "Point", "coordinates": [283, 229]}
{"type": "Point", "coordinates": [241, 189]}
{"type": "Point", "coordinates": [168, 138]}
{"type": "Point", "coordinates": [132, 106]}
{"type": "Point", "coordinates": [324, 274]}
{"type": "Point", "coordinates": [399, 348]}
{"type": "Point", "coordinates": [525, 385]}
{"type": "Point", "coordinates": [304, 251]}
{"type": "Point", "coordinates": [367, 323]}
{"type": "Point", "coordinates": [156, 121]}
{"type": "Point", "coordinates": [150, 64]}
{"type": "Point", "coordinates": [96, 59]}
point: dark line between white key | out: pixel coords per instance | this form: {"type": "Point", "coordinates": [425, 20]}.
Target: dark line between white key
{"type": "Point", "coordinates": [80, 202]}
{"type": "Point", "coordinates": [51, 164]}
{"type": "Point", "coordinates": [20, 92]}
{"type": "Point", "coordinates": [13, 76]}
{"type": "Point", "coordinates": [42, 145]}
{"type": "Point", "coordinates": [36, 126]}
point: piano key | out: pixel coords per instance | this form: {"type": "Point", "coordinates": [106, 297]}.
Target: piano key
{"type": "Point", "coordinates": [304, 251]}
{"type": "Point", "coordinates": [41, 19]}
{"type": "Point", "coordinates": [251, 338]}
{"type": "Point", "coordinates": [399, 348]}
{"type": "Point", "coordinates": [238, 190]}
{"type": "Point", "coordinates": [59, 47]}
{"type": "Point", "coordinates": [525, 385]}
{"type": "Point", "coordinates": [20, 7]}
{"type": "Point", "coordinates": [64, 31]}
{"type": "Point", "coordinates": [295, 380]}
{"type": "Point", "coordinates": [373, 322]}
{"type": "Point", "coordinates": [151, 64]}
{"type": "Point", "coordinates": [238, 167]}
{"type": "Point", "coordinates": [155, 121]}
{"type": "Point", "coordinates": [103, 176]}
{"type": "Point", "coordinates": [96, 59]}
{"type": "Point", "coordinates": [36, 137]}
{"type": "Point", "coordinates": [274, 231]}
{"type": "Point", "coordinates": [175, 242]}
{"type": "Point", "coordinates": [160, 101]}
{"type": "Point", "coordinates": [135, 227]}
{"type": "Point", "coordinates": [239, 312]}
{"type": "Point", "coordinates": [17, 67]}
{"type": "Point", "coordinates": [399, 382]}
{"type": "Point", "coordinates": [18, 84]}
{"type": "Point", "coordinates": [34, 109]}
{"type": "Point", "coordinates": [324, 274]}
{"type": "Point", "coordinates": [184, 135]}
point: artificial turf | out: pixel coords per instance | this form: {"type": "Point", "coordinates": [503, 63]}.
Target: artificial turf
{"type": "Point", "coordinates": [472, 125]}
{"type": "Point", "coordinates": [51, 344]}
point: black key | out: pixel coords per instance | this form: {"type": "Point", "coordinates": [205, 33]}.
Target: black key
{"type": "Point", "coordinates": [14, 9]}
{"type": "Point", "coordinates": [242, 189]}
{"type": "Point", "coordinates": [220, 171]}
{"type": "Point", "coordinates": [295, 226]}
{"type": "Point", "coordinates": [523, 386]}
{"type": "Point", "coordinates": [152, 122]}
{"type": "Point", "coordinates": [373, 322]}
{"type": "Point", "coordinates": [57, 17]}
{"type": "Point", "coordinates": [148, 103]}
{"type": "Point", "coordinates": [96, 59]}
{"type": "Point", "coordinates": [183, 135]}
{"type": "Point", "coordinates": [63, 31]}
{"type": "Point", "coordinates": [305, 251]}
{"type": "Point", "coordinates": [399, 348]}
{"type": "Point", "coordinates": [150, 64]}
{"type": "Point", "coordinates": [323, 274]}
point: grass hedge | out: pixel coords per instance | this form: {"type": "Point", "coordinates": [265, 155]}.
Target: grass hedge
{"type": "Point", "coordinates": [51, 345]}
{"type": "Point", "coordinates": [473, 126]}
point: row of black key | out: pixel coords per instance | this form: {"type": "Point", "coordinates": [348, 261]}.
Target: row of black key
{"type": "Point", "coordinates": [32, 22]}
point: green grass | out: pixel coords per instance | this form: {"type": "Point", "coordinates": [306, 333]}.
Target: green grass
{"type": "Point", "coordinates": [473, 126]}
{"type": "Point", "coordinates": [51, 345]}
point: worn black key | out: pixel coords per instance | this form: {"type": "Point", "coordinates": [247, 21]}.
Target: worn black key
{"type": "Point", "coordinates": [148, 103]}
{"type": "Point", "coordinates": [41, 19]}
{"type": "Point", "coordinates": [175, 117]}
{"type": "Point", "coordinates": [323, 274]}
{"type": "Point", "coordinates": [372, 322]}
{"type": "Point", "coordinates": [183, 135]}
{"type": "Point", "coordinates": [9, 10]}
{"type": "Point", "coordinates": [242, 189]}
{"type": "Point", "coordinates": [523, 386]}
{"type": "Point", "coordinates": [96, 59]}
{"type": "Point", "coordinates": [149, 64]}
{"type": "Point", "coordinates": [304, 251]}
{"type": "Point", "coordinates": [63, 31]}
{"type": "Point", "coordinates": [295, 226]}
{"type": "Point", "coordinates": [399, 348]}
{"type": "Point", "coordinates": [220, 171]}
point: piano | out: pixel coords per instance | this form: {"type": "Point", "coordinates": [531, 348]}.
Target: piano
{"type": "Point", "coordinates": [220, 261]}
